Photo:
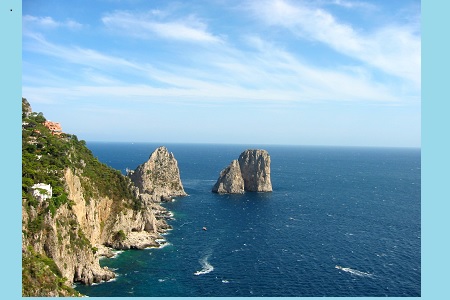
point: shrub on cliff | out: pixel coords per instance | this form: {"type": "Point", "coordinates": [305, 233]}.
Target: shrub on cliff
{"type": "Point", "coordinates": [41, 277]}
{"type": "Point", "coordinates": [45, 157]}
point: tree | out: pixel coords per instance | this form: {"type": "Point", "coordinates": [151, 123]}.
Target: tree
{"type": "Point", "coordinates": [40, 118]}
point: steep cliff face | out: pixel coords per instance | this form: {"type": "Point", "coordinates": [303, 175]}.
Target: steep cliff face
{"type": "Point", "coordinates": [91, 206]}
{"type": "Point", "coordinates": [159, 176]}
{"type": "Point", "coordinates": [120, 227]}
{"type": "Point", "coordinates": [73, 236]}
{"type": "Point", "coordinates": [251, 172]}
{"type": "Point", "coordinates": [230, 180]}
{"type": "Point", "coordinates": [62, 239]}
{"type": "Point", "coordinates": [255, 169]}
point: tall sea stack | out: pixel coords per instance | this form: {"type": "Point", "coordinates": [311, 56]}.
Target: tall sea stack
{"type": "Point", "coordinates": [159, 177]}
{"type": "Point", "coordinates": [255, 170]}
{"type": "Point", "coordinates": [251, 172]}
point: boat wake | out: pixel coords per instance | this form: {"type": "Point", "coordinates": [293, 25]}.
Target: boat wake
{"type": "Point", "coordinates": [354, 272]}
{"type": "Point", "coordinates": [206, 266]}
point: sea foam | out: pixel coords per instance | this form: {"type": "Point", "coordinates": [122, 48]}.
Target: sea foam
{"type": "Point", "coordinates": [206, 266]}
{"type": "Point", "coordinates": [354, 272]}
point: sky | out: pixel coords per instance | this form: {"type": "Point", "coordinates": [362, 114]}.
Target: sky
{"type": "Point", "coordinates": [324, 72]}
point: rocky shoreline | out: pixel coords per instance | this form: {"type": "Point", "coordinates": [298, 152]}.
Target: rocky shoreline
{"type": "Point", "coordinates": [97, 209]}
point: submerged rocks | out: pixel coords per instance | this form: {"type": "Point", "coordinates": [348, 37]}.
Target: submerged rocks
{"type": "Point", "coordinates": [159, 176]}
{"type": "Point", "coordinates": [251, 172]}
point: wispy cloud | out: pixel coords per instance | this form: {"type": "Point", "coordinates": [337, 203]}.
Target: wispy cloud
{"type": "Point", "coordinates": [75, 54]}
{"type": "Point", "coordinates": [266, 74]}
{"type": "Point", "coordinates": [150, 24]}
{"type": "Point", "coordinates": [50, 23]}
{"type": "Point", "coordinates": [353, 4]}
{"type": "Point", "coordinates": [261, 71]}
{"type": "Point", "coordinates": [393, 49]}
{"type": "Point", "coordinates": [308, 68]}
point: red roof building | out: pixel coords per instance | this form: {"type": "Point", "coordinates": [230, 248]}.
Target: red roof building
{"type": "Point", "coordinates": [54, 127]}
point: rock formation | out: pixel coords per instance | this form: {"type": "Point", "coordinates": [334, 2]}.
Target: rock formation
{"type": "Point", "coordinates": [92, 207]}
{"type": "Point", "coordinates": [73, 232]}
{"type": "Point", "coordinates": [159, 177]}
{"type": "Point", "coordinates": [26, 108]}
{"type": "Point", "coordinates": [230, 180]}
{"type": "Point", "coordinates": [251, 172]}
{"type": "Point", "coordinates": [255, 169]}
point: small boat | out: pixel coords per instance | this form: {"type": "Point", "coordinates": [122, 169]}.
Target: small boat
{"type": "Point", "coordinates": [204, 228]}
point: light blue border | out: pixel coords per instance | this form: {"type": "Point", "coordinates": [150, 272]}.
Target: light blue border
{"type": "Point", "coordinates": [435, 147]}
{"type": "Point", "coordinates": [10, 89]}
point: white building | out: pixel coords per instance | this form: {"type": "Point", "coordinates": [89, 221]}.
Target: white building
{"type": "Point", "coordinates": [42, 191]}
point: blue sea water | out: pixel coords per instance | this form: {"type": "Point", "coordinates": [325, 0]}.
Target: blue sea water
{"type": "Point", "coordinates": [339, 222]}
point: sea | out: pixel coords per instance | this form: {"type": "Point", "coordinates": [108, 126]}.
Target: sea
{"type": "Point", "coordinates": [340, 222]}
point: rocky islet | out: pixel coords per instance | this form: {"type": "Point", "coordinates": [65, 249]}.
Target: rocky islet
{"type": "Point", "coordinates": [251, 172]}
{"type": "Point", "coordinates": [78, 233]}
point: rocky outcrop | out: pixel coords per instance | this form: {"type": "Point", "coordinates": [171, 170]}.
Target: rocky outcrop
{"type": "Point", "coordinates": [90, 209]}
{"type": "Point", "coordinates": [159, 177]}
{"type": "Point", "coordinates": [251, 172]}
{"type": "Point", "coordinates": [62, 240]}
{"type": "Point", "coordinates": [230, 180]}
{"type": "Point", "coordinates": [75, 236]}
{"type": "Point", "coordinates": [255, 169]}
{"type": "Point", "coordinates": [26, 108]}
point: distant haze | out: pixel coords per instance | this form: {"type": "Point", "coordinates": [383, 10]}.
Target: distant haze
{"type": "Point", "coordinates": [325, 72]}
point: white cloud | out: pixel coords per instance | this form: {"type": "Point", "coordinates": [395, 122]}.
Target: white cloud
{"type": "Point", "coordinates": [353, 4]}
{"type": "Point", "coordinates": [76, 55]}
{"type": "Point", "coordinates": [269, 74]}
{"type": "Point", "coordinates": [49, 22]}
{"type": "Point", "coordinates": [224, 69]}
{"type": "Point", "coordinates": [148, 25]}
{"type": "Point", "coordinates": [393, 49]}
{"type": "Point", "coordinates": [265, 73]}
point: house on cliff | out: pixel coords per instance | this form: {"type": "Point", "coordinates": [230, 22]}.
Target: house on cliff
{"type": "Point", "coordinates": [54, 127]}
{"type": "Point", "coordinates": [42, 191]}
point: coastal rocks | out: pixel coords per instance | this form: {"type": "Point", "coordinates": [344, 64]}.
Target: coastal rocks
{"type": "Point", "coordinates": [159, 176]}
{"type": "Point", "coordinates": [134, 240]}
{"type": "Point", "coordinates": [77, 236]}
{"type": "Point", "coordinates": [138, 229]}
{"type": "Point", "coordinates": [251, 172]}
{"type": "Point", "coordinates": [230, 180]}
{"type": "Point", "coordinates": [94, 209]}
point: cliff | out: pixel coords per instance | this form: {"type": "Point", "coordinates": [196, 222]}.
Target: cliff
{"type": "Point", "coordinates": [251, 172]}
{"type": "Point", "coordinates": [91, 206]}
{"type": "Point", "coordinates": [159, 177]}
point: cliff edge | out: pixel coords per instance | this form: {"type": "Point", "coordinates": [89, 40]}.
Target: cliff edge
{"type": "Point", "coordinates": [73, 208]}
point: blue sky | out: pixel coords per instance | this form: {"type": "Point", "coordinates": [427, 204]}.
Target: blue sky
{"type": "Point", "coordinates": [325, 72]}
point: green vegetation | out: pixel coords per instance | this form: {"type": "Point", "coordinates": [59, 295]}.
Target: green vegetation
{"type": "Point", "coordinates": [120, 236]}
{"type": "Point", "coordinates": [41, 277]}
{"type": "Point", "coordinates": [45, 159]}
